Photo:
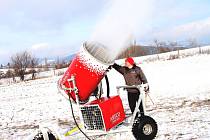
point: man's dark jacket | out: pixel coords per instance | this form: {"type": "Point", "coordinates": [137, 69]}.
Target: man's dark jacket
{"type": "Point", "coordinates": [133, 76]}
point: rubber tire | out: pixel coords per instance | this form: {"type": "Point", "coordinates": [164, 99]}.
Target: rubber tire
{"type": "Point", "coordinates": [39, 136]}
{"type": "Point", "coordinates": [138, 127]}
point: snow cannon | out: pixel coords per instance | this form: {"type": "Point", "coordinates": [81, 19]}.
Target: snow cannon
{"type": "Point", "coordinates": [88, 67]}
{"type": "Point", "coordinates": [103, 115]}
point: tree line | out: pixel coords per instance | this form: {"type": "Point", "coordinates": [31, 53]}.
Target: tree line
{"type": "Point", "coordinates": [157, 47]}
{"type": "Point", "coordinates": [23, 63]}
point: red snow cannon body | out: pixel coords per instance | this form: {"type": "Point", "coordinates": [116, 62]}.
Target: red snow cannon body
{"type": "Point", "coordinates": [88, 67]}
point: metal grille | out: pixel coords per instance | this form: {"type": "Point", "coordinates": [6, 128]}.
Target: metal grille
{"type": "Point", "coordinates": [99, 51]}
{"type": "Point", "coordinates": [92, 117]}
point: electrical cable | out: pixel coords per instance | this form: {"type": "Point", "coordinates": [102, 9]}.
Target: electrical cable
{"type": "Point", "coordinates": [108, 92]}
{"type": "Point", "coordinates": [76, 121]}
{"type": "Point", "coordinates": [107, 86]}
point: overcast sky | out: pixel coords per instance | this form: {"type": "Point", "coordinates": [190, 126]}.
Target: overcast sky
{"type": "Point", "coordinates": [59, 27]}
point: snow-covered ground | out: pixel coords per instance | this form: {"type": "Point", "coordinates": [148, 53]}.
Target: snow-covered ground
{"type": "Point", "coordinates": [180, 89]}
{"type": "Point", "coordinates": [38, 75]}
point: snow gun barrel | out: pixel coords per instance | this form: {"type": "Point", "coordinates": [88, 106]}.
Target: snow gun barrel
{"type": "Point", "coordinates": [88, 67]}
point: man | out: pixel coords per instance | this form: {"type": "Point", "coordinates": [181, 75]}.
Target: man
{"type": "Point", "coordinates": [133, 75]}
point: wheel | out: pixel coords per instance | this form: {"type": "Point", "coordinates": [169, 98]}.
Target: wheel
{"type": "Point", "coordinates": [44, 135]}
{"type": "Point", "coordinates": [144, 128]}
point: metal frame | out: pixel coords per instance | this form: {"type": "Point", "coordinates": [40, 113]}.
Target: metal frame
{"type": "Point", "coordinates": [101, 132]}
{"type": "Point", "coordinates": [76, 91]}
{"type": "Point", "coordinates": [141, 99]}
{"type": "Point", "coordinates": [90, 133]}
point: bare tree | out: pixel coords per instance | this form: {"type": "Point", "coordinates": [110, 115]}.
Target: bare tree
{"type": "Point", "coordinates": [194, 44]}
{"type": "Point", "coordinates": [2, 75]}
{"type": "Point", "coordinates": [21, 61]}
{"type": "Point", "coordinates": [58, 64]}
{"type": "Point", "coordinates": [157, 45]}
{"type": "Point", "coordinates": [46, 65]}
{"type": "Point", "coordinates": [174, 44]}
{"type": "Point", "coordinates": [8, 65]}
{"type": "Point", "coordinates": [10, 74]}
{"type": "Point", "coordinates": [34, 64]}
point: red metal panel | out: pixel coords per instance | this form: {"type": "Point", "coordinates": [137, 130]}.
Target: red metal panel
{"type": "Point", "coordinates": [112, 110]}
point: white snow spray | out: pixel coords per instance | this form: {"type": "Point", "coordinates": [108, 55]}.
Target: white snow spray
{"type": "Point", "coordinates": [119, 22]}
{"type": "Point", "coordinates": [94, 57]}
{"type": "Point", "coordinates": [114, 32]}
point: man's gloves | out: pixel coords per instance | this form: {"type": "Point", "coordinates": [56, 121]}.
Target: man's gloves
{"type": "Point", "coordinates": [110, 67]}
{"type": "Point", "coordinates": [146, 87]}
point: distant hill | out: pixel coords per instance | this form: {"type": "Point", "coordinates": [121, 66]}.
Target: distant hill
{"type": "Point", "coordinates": [69, 57]}
{"type": "Point", "coordinates": [53, 60]}
{"type": "Point", "coordinates": [137, 50]}
{"type": "Point", "coordinates": [132, 51]}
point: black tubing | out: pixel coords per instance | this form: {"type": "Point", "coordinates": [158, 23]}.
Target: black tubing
{"type": "Point", "coordinates": [108, 92]}
{"type": "Point", "coordinates": [76, 121]}
{"type": "Point", "coordinates": [107, 86]}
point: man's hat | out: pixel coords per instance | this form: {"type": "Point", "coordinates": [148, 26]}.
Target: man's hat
{"type": "Point", "coordinates": [130, 60]}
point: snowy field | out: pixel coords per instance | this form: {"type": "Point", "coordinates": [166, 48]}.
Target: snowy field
{"type": "Point", "coordinates": [180, 89]}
